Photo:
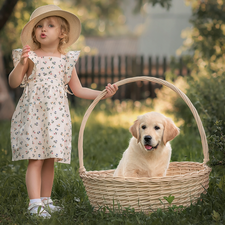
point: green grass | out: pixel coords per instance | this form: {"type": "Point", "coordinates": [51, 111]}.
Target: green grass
{"type": "Point", "coordinates": [106, 136]}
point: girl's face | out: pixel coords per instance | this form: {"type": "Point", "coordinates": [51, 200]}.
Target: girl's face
{"type": "Point", "coordinates": [48, 32]}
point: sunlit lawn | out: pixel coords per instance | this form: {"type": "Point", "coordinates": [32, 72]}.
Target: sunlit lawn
{"type": "Point", "coordinates": [106, 136]}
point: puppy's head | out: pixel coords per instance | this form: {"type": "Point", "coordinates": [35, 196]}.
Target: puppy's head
{"type": "Point", "coordinates": [152, 129]}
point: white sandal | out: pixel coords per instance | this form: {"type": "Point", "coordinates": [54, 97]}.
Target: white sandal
{"type": "Point", "coordinates": [49, 205]}
{"type": "Point", "coordinates": [43, 213]}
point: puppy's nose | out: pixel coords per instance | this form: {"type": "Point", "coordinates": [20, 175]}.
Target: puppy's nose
{"type": "Point", "coordinates": [148, 138]}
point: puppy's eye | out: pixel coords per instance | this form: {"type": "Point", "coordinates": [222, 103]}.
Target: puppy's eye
{"type": "Point", "coordinates": [157, 128]}
{"type": "Point", "coordinates": [143, 127]}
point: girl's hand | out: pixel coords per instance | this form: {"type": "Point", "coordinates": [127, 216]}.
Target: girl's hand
{"type": "Point", "coordinates": [111, 90]}
{"type": "Point", "coordinates": [25, 55]}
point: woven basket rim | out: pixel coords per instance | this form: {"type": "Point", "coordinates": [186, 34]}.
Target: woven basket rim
{"type": "Point", "coordinates": [155, 80]}
{"type": "Point", "coordinates": [94, 175]}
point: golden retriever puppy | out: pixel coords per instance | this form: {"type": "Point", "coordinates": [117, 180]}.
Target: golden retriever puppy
{"type": "Point", "coordinates": [149, 150]}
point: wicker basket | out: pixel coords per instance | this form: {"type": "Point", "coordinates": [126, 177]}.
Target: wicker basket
{"type": "Point", "coordinates": [184, 180]}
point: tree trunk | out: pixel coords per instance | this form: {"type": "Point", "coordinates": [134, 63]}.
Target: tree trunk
{"type": "Point", "coordinates": [7, 105]}
{"type": "Point", "coordinates": [6, 11]}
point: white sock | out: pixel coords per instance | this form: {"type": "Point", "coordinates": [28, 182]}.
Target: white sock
{"type": "Point", "coordinates": [51, 206]}
{"type": "Point", "coordinates": [35, 200]}
{"type": "Point", "coordinates": [42, 198]}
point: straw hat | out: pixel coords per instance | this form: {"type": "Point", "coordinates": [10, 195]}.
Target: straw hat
{"type": "Point", "coordinates": [46, 11]}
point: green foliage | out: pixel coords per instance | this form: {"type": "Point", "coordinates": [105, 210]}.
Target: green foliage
{"type": "Point", "coordinates": [207, 95]}
{"type": "Point", "coordinates": [216, 216]}
{"type": "Point", "coordinates": [217, 146]}
{"type": "Point", "coordinates": [101, 18]}
{"type": "Point", "coordinates": [164, 3]}
{"type": "Point", "coordinates": [209, 21]}
{"type": "Point", "coordinates": [221, 184]}
{"type": "Point", "coordinates": [169, 199]}
{"type": "Point", "coordinates": [205, 41]}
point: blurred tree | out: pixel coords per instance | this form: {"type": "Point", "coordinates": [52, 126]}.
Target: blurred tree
{"type": "Point", "coordinates": [205, 43]}
{"type": "Point", "coordinates": [6, 103]}
{"type": "Point", "coordinates": [206, 40]}
{"type": "Point", "coordinates": [9, 35]}
{"type": "Point", "coordinates": [6, 11]}
{"type": "Point", "coordinates": [101, 18]}
{"type": "Point", "coordinates": [140, 3]}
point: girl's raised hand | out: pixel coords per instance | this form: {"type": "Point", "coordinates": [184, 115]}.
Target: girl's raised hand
{"type": "Point", "coordinates": [111, 90]}
{"type": "Point", "coordinates": [24, 55]}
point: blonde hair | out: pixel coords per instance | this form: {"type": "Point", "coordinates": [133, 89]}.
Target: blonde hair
{"type": "Point", "coordinates": [65, 29]}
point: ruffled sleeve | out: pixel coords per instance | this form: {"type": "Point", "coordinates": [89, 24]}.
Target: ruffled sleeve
{"type": "Point", "coordinates": [16, 55]}
{"type": "Point", "coordinates": [71, 60]}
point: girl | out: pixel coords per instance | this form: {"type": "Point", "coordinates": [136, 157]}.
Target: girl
{"type": "Point", "coordinates": [41, 125]}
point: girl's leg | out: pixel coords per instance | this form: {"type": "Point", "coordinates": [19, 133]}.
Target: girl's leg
{"type": "Point", "coordinates": [33, 178]}
{"type": "Point", "coordinates": [47, 177]}
{"type": "Point", "coordinates": [33, 182]}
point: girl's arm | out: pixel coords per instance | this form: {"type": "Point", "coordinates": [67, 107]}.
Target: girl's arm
{"type": "Point", "coordinates": [88, 93]}
{"type": "Point", "coordinates": [17, 74]}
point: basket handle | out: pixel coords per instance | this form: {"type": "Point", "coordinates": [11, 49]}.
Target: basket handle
{"type": "Point", "coordinates": [151, 79]}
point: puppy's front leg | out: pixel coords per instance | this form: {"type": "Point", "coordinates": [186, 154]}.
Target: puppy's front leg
{"type": "Point", "coordinates": [160, 173]}
{"type": "Point", "coordinates": [136, 173]}
{"type": "Point", "coordinates": [131, 173]}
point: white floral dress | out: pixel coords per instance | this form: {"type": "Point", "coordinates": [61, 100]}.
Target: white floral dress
{"type": "Point", "coordinates": [41, 124]}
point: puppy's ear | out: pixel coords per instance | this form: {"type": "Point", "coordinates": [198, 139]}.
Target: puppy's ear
{"type": "Point", "coordinates": [170, 131]}
{"type": "Point", "coordinates": [134, 129]}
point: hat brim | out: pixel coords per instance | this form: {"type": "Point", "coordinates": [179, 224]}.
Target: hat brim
{"type": "Point", "coordinates": [74, 22]}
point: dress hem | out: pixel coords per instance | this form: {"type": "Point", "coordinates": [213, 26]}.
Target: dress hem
{"type": "Point", "coordinates": [59, 160]}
